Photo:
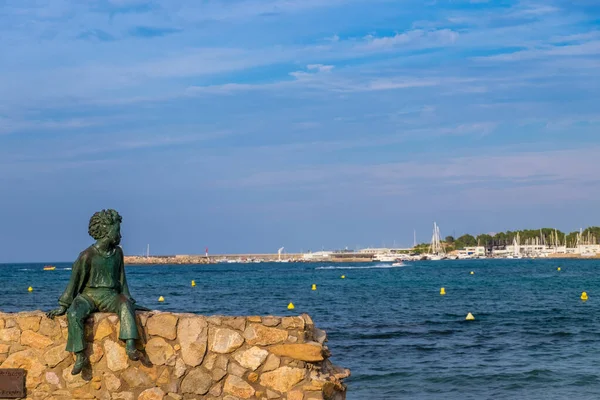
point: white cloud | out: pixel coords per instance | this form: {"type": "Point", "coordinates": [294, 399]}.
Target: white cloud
{"type": "Point", "coordinates": [584, 49]}
{"type": "Point", "coordinates": [320, 67]}
{"type": "Point", "coordinates": [8, 126]}
{"type": "Point", "coordinates": [417, 37]}
{"type": "Point", "coordinates": [537, 9]}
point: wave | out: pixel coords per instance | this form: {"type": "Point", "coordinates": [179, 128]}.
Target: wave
{"type": "Point", "coordinates": [67, 269]}
{"type": "Point", "coordinates": [25, 269]}
{"type": "Point", "coordinates": [378, 266]}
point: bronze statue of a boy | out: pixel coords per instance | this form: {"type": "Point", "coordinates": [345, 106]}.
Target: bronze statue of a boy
{"type": "Point", "coordinates": [98, 284]}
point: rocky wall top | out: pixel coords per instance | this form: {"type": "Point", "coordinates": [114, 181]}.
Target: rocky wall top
{"type": "Point", "coordinates": [185, 356]}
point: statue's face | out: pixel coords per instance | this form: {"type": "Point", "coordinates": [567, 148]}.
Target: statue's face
{"type": "Point", "coordinates": [114, 233]}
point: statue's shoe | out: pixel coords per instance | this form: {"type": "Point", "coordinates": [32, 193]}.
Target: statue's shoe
{"type": "Point", "coordinates": [78, 367]}
{"type": "Point", "coordinates": [133, 355]}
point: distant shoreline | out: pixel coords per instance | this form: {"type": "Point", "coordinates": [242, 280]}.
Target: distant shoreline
{"type": "Point", "coordinates": [290, 258]}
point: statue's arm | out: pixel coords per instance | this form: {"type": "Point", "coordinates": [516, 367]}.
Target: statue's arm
{"type": "Point", "coordinates": [75, 283]}
{"type": "Point", "coordinates": [123, 278]}
{"type": "Point", "coordinates": [73, 287]}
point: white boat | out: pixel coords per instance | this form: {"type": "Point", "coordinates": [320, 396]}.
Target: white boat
{"type": "Point", "coordinates": [517, 247]}
{"type": "Point", "coordinates": [462, 255]}
{"type": "Point", "coordinates": [385, 257]}
{"type": "Point", "coordinates": [436, 250]}
{"type": "Point", "coordinates": [398, 264]}
{"type": "Point", "coordinates": [279, 259]}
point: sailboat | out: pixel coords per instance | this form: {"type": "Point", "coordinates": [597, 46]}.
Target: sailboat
{"type": "Point", "coordinates": [436, 250]}
{"type": "Point", "coordinates": [517, 247]}
{"type": "Point", "coordinates": [279, 259]}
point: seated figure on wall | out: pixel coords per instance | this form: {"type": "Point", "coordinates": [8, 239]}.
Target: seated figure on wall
{"type": "Point", "coordinates": [98, 284]}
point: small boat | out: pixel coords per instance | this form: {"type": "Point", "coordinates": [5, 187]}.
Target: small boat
{"type": "Point", "coordinates": [382, 257]}
{"type": "Point", "coordinates": [49, 268]}
{"type": "Point", "coordinates": [398, 264]}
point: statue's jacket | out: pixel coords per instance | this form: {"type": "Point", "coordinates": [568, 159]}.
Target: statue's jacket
{"type": "Point", "coordinates": [92, 271]}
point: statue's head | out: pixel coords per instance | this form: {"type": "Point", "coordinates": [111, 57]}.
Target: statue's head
{"type": "Point", "coordinates": [106, 225]}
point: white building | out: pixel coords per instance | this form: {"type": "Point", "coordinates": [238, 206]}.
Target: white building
{"type": "Point", "coordinates": [477, 251]}
{"type": "Point", "coordinates": [384, 250]}
{"type": "Point", "coordinates": [319, 255]}
{"type": "Point", "coordinates": [588, 249]}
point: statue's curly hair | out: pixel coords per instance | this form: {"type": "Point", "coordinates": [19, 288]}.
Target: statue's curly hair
{"type": "Point", "coordinates": [100, 221]}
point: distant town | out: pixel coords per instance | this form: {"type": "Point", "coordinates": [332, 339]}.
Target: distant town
{"type": "Point", "coordinates": [529, 243]}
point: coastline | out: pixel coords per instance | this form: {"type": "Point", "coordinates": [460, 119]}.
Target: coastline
{"type": "Point", "coordinates": [242, 258]}
{"type": "Point", "coordinates": [290, 258]}
{"type": "Point", "coordinates": [571, 256]}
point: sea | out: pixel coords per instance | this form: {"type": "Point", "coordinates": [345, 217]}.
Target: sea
{"type": "Point", "coordinates": [532, 337]}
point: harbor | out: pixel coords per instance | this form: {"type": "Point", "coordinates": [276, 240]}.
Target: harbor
{"type": "Point", "coordinates": [582, 244]}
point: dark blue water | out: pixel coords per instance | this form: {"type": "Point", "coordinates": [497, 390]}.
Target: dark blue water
{"type": "Point", "coordinates": [533, 338]}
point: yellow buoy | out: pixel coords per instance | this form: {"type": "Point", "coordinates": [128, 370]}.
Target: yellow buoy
{"type": "Point", "coordinates": [442, 291]}
{"type": "Point", "coordinates": [343, 276]}
{"type": "Point", "coordinates": [30, 289]}
{"type": "Point", "coordinates": [291, 306]}
{"type": "Point", "coordinates": [161, 299]}
{"type": "Point", "coordinates": [470, 317]}
{"type": "Point", "coordinates": [584, 296]}
{"type": "Point", "coordinates": [558, 269]}
{"type": "Point", "coordinates": [472, 273]}
{"type": "Point", "coordinates": [314, 287]}
{"type": "Point", "coordinates": [193, 283]}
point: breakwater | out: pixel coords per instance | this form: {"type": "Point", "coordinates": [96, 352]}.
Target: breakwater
{"type": "Point", "coordinates": [243, 258]}
{"type": "Point", "coordinates": [211, 259]}
{"type": "Point", "coordinates": [186, 356]}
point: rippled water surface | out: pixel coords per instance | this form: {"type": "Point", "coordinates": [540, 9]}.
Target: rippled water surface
{"type": "Point", "coordinates": [533, 338]}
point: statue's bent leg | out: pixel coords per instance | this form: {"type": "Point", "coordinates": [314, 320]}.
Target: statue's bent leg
{"type": "Point", "coordinates": [126, 311]}
{"type": "Point", "coordinates": [124, 308]}
{"type": "Point", "coordinates": [77, 313]}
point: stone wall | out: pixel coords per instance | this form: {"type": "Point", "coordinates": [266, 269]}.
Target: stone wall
{"type": "Point", "coordinates": [186, 356]}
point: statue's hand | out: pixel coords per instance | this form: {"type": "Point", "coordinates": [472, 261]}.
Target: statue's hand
{"type": "Point", "coordinates": [55, 313]}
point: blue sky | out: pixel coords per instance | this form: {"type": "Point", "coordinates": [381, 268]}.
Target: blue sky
{"type": "Point", "coordinates": [248, 125]}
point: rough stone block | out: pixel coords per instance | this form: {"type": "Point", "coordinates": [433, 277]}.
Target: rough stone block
{"type": "Point", "coordinates": [35, 340]}
{"type": "Point", "coordinates": [29, 322]}
{"type": "Point", "coordinates": [292, 323]}
{"type": "Point", "coordinates": [223, 341]}
{"type": "Point", "coordinates": [311, 352]}
{"type": "Point", "coordinates": [159, 351]}
{"type": "Point", "coordinates": [282, 379]}
{"type": "Point", "coordinates": [251, 358]}
{"type": "Point", "coordinates": [196, 382]}
{"type": "Point", "coordinates": [193, 336]}
{"type": "Point", "coordinates": [10, 334]}
{"type": "Point", "coordinates": [264, 336]}
{"type": "Point", "coordinates": [238, 387]}
{"type": "Point", "coordinates": [164, 325]}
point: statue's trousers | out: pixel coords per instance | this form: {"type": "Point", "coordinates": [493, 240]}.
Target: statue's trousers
{"type": "Point", "coordinates": [103, 300]}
